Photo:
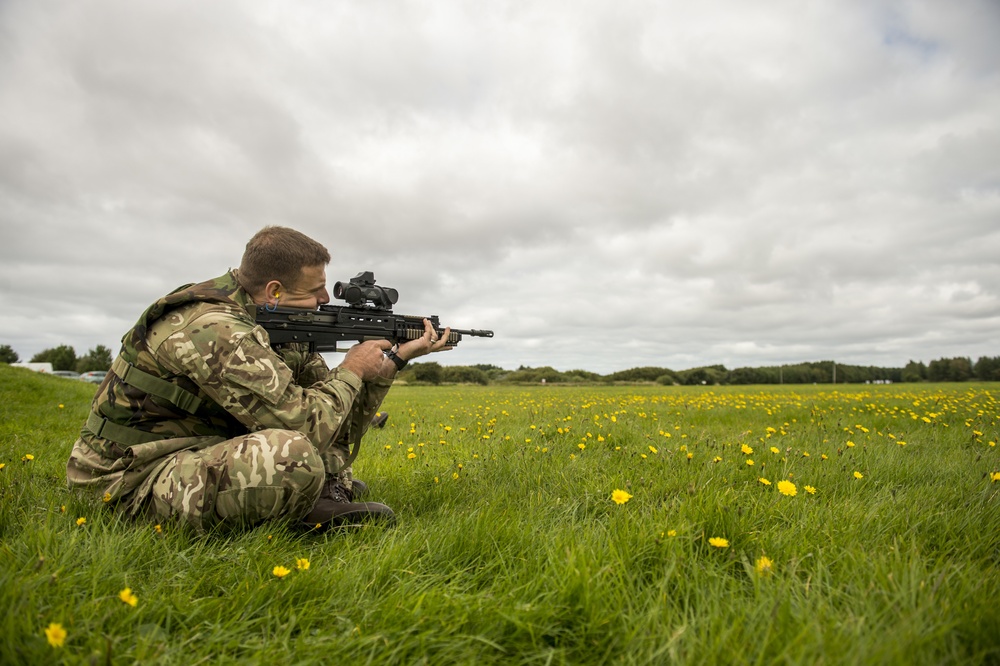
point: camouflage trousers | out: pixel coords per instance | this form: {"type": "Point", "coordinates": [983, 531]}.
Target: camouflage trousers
{"type": "Point", "coordinates": [243, 481]}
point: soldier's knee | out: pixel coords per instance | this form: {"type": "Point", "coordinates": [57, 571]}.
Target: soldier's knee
{"type": "Point", "coordinates": [283, 475]}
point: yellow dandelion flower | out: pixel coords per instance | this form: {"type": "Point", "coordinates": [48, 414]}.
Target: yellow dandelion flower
{"type": "Point", "coordinates": [787, 488]}
{"type": "Point", "coordinates": [858, 475]}
{"type": "Point", "coordinates": [746, 449]}
{"type": "Point", "coordinates": [81, 521]}
{"type": "Point", "coordinates": [127, 597]}
{"type": "Point", "coordinates": [454, 475]}
{"type": "Point", "coordinates": [716, 459]}
{"type": "Point", "coordinates": [107, 497]}
{"type": "Point", "coordinates": [411, 456]}
{"type": "Point", "coordinates": [280, 571]}
{"type": "Point", "coordinates": [994, 476]}
{"type": "Point", "coordinates": [810, 490]}
{"type": "Point", "coordinates": [671, 533]}
{"type": "Point", "coordinates": [27, 457]}
{"type": "Point", "coordinates": [690, 455]}
{"type": "Point", "coordinates": [620, 496]}
{"type": "Point", "coordinates": [2, 465]}
{"type": "Point", "coordinates": [652, 449]}
{"type": "Point", "coordinates": [749, 462]}
{"type": "Point", "coordinates": [774, 449]}
{"type": "Point", "coordinates": [581, 446]}
{"type": "Point", "coordinates": [764, 481]}
{"type": "Point", "coordinates": [158, 528]}
{"type": "Point", "coordinates": [719, 542]}
{"type": "Point", "coordinates": [301, 563]}
{"type": "Point", "coordinates": [764, 566]}
{"type": "Point", "coordinates": [823, 457]}
{"type": "Point", "coordinates": [55, 635]}
{"type": "Point", "coordinates": [850, 444]}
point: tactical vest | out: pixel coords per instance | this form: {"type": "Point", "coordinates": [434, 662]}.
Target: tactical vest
{"type": "Point", "coordinates": [139, 402]}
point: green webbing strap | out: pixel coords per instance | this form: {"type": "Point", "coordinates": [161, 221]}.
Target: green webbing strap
{"type": "Point", "coordinates": [117, 433]}
{"type": "Point", "coordinates": [155, 386]}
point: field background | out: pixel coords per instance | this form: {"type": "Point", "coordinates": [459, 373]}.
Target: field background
{"type": "Point", "coordinates": [509, 548]}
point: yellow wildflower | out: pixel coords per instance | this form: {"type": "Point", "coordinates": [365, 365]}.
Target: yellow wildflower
{"type": "Point", "coordinates": [719, 542]}
{"type": "Point", "coordinates": [764, 481]}
{"type": "Point", "coordinates": [127, 597]}
{"type": "Point", "coordinates": [764, 566]}
{"type": "Point", "coordinates": [858, 475]}
{"type": "Point", "coordinates": [787, 488]}
{"type": "Point", "coordinates": [55, 635]}
{"type": "Point", "coordinates": [301, 563]}
{"type": "Point", "coordinates": [746, 449]}
{"type": "Point", "coordinates": [280, 571]}
{"type": "Point", "coordinates": [810, 490]}
{"type": "Point", "coordinates": [81, 521]}
{"type": "Point", "coordinates": [620, 496]}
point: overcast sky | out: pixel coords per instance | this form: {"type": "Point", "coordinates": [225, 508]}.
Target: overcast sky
{"type": "Point", "coordinates": [605, 184]}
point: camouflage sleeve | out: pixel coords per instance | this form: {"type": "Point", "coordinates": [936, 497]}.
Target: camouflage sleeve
{"type": "Point", "coordinates": [307, 367]}
{"type": "Point", "coordinates": [231, 360]}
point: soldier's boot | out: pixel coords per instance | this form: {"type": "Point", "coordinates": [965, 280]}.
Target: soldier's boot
{"type": "Point", "coordinates": [335, 508]}
{"type": "Point", "coordinates": [358, 489]}
{"type": "Point", "coordinates": [378, 421]}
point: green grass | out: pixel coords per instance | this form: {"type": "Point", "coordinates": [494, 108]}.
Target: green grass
{"type": "Point", "coordinates": [524, 558]}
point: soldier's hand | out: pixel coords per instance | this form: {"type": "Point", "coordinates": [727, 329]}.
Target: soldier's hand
{"type": "Point", "coordinates": [367, 360]}
{"type": "Point", "coordinates": [428, 343]}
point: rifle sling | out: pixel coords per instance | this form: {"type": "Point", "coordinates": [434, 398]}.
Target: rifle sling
{"type": "Point", "coordinates": [155, 386]}
{"type": "Point", "coordinates": [101, 427]}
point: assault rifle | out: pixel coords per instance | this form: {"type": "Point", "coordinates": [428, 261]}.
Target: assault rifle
{"type": "Point", "coordinates": [368, 316]}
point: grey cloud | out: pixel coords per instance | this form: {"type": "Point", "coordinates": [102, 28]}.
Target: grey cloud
{"type": "Point", "coordinates": [605, 185]}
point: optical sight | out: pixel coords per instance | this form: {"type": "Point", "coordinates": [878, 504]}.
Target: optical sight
{"type": "Point", "coordinates": [361, 291]}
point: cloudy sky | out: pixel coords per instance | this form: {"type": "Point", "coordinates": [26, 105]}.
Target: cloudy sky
{"type": "Point", "coordinates": [605, 184]}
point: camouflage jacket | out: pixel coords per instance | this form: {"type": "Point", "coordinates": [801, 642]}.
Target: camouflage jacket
{"type": "Point", "coordinates": [196, 370]}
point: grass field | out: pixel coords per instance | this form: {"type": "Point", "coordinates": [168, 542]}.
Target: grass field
{"type": "Point", "coordinates": [805, 524]}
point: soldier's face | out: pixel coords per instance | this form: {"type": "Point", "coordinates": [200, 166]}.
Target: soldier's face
{"type": "Point", "coordinates": [309, 291]}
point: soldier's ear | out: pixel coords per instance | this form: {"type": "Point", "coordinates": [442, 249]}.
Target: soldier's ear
{"type": "Point", "coordinates": [272, 291]}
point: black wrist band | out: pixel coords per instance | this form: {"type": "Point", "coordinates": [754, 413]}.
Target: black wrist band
{"type": "Point", "coordinates": [400, 363]}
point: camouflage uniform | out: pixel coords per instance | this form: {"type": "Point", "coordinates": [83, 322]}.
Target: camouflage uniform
{"type": "Point", "coordinates": [201, 418]}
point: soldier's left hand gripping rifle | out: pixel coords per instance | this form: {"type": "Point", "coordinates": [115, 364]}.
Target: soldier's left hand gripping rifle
{"type": "Point", "coordinates": [368, 316]}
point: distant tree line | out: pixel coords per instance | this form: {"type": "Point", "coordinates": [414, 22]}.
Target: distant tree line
{"type": "Point", "coordinates": [959, 369]}
{"type": "Point", "coordinates": [818, 372]}
{"type": "Point", "coordinates": [64, 357]}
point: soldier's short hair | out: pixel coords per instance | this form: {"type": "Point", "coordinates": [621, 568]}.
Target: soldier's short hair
{"type": "Point", "coordinates": [279, 253]}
